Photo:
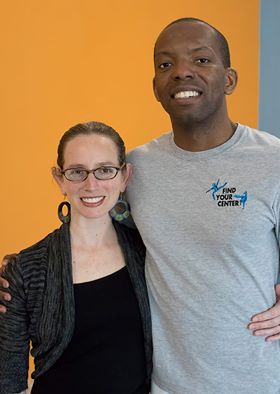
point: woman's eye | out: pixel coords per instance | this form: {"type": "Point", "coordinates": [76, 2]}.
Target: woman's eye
{"type": "Point", "coordinates": [76, 171]}
{"type": "Point", "coordinates": [106, 170]}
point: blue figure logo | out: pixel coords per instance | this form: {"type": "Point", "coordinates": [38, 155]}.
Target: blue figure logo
{"type": "Point", "coordinates": [215, 188]}
{"type": "Point", "coordinates": [242, 198]}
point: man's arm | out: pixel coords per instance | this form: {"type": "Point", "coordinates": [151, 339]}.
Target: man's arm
{"type": "Point", "coordinates": [267, 323]}
{"type": "Point", "coordinates": [4, 295]}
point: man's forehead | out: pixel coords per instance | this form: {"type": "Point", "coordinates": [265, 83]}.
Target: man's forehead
{"type": "Point", "coordinates": [191, 50]}
{"type": "Point", "coordinates": [190, 36]}
{"type": "Point", "coordinates": [183, 30]}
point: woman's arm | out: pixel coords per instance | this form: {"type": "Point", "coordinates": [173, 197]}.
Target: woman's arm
{"type": "Point", "coordinates": [14, 337]}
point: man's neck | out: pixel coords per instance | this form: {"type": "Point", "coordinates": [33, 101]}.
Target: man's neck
{"type": "Point", "coordinates": [201, 137]}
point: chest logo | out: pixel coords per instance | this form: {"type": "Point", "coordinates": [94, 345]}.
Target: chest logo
{"type": "Point", "coordinates": [227, 196]}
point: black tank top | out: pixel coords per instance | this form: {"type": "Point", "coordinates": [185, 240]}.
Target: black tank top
{"type": "Point", "coordinates": [106, 354]}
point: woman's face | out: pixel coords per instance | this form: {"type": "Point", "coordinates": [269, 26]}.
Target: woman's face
{"type": "Point", "coordinates": [92, 198]}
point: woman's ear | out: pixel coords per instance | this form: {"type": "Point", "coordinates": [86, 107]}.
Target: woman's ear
{"type": "Point", "coordinates": [126, 174]}
{"type": "Point", "coordinates": [58, 177]}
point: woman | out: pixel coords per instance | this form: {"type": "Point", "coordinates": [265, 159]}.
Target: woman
{"type": "Point", "coordinates": [79, 295]}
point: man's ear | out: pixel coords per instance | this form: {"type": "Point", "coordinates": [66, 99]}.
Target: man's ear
{"type": "Point", "coordinates": [155, 90]}
{"type": "Point", "coordinates": [231, 80]}
{"type": "Point", "coordinates": [126, 173]}
{"type": "Point", "coordinates": [58, 177]}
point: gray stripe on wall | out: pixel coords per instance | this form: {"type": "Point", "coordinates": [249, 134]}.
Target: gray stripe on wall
{"type": "Point", "coordinates": [269, 88]}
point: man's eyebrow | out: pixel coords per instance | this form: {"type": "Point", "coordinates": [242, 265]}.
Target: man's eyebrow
{"type": "Point", "coordinates": [163, 53]}
{"type": "Point", "coordinates": [169, 53]}
{"type": "Point", "coordinates": [202, 49]}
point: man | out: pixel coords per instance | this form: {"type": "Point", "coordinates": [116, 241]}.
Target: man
{"type": "Point", "coordinates": [206, 201]}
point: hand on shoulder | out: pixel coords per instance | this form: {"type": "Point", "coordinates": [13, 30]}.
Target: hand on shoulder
{"type": "Point", "coordinates": [4, 284]}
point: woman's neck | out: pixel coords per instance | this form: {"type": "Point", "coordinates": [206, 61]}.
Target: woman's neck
{"type": "Point", "coordinates": [92, 233]}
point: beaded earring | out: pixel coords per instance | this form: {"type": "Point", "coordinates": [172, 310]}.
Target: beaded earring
{"type": "Point", "coordinates": [121, 210]}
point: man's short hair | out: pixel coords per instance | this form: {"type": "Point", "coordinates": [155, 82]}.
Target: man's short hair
{"type": "Point", "coordinates": [222, 41]}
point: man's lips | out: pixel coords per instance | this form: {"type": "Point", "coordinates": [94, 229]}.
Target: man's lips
{"type": "Point", "coordinates": [186, 93]}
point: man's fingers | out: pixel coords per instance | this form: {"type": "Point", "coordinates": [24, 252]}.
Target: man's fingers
{"type": "Point", "coordinates": [277, 290]}
{"type": "Point", "coordinates": [272, 338]}
{"type": "Point", "coordinates": [271, 313]}
{"type": "Point", "coordinates": [267, 332]}
{"type": "Point", "coordinates": [265, 324]}
{"type": "Point", "coordinates": [4, 262]}
{"type": "Point", "coordinates": [3, 283]}
{"type": "Point", "coordinates": [6, 259]}
{"type": "Point", "coordinates": [4, 296]}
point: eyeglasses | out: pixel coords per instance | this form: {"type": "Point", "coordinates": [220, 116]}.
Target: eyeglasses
{"type": "Point", "coordinates": [101, 173]}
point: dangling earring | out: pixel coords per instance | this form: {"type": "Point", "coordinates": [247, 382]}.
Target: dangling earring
{"type": "Point", "coordinates": [64, 218]}
{"type": "Point", "coordinates": [121, 210]}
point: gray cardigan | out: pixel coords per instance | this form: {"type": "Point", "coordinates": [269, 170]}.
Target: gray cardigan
{"type": "Point", "coordinates": [42, 309]}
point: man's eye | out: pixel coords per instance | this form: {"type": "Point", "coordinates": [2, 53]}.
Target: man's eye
{"type": "Point", "coordinates": [203, 60]}
{"type": "Point", "coordinates": [164, 65]}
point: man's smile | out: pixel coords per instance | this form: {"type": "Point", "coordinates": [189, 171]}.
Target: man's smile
{"type": "Point", "coordinates": [186, 94]}
{"type": "Point", "coordinates": [183, 92]}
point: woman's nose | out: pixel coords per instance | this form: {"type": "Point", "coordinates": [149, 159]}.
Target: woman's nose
{"type": "Point", "coordinates": [91, 181]}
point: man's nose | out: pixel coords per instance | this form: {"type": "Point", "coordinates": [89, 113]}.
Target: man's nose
{"type": "Point", "coordinates": [183, 69]}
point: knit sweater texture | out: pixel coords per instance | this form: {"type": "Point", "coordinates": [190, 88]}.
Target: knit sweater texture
{"type": "Point", "coordinates": [42, 310]}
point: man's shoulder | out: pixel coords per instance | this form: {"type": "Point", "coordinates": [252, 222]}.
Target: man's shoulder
{"type": "Point", "coordinates": [155, 145]}
{"type": "Point", "coordinates": [261, 137]}
{"type": "Point", "coordinates": [258, 146]}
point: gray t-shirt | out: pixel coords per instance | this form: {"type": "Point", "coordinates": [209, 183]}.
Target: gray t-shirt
{"type": "Point", "coordinates": [210, 222]}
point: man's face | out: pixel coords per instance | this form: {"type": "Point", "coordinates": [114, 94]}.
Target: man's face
{"type": "Point", "coordinates": [190, 79]}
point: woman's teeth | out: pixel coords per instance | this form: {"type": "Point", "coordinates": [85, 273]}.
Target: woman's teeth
{"type": "Point", "coordinates": [92, 200]}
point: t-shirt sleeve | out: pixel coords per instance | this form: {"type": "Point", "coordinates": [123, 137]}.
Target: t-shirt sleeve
{"type": "Point", "coordinates": [276, 209]}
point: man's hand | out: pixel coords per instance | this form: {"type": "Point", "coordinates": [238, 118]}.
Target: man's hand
{"type": "Point", "coordinates": [4, 296]}
{"type": "Point", "coordinates": [267, 323]}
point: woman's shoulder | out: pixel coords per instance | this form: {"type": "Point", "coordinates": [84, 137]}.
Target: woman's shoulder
{"type": "Point", "coordinates": [131, 233]}
{"type": "Point", "coordinates": [38, 248]}
{"type": "Point", "coordinates": [130, 238]}
{"type": "Point", "coordinates": [16, 260]}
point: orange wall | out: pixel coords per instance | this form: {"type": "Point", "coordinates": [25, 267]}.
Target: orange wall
{"type": "Point", "coordinates": [66, 61]}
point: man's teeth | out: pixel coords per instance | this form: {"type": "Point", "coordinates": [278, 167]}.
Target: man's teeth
{"type": "Point", "coordinates": [92, 200]}
{"type": "Point", "coordinates": [186, 94]}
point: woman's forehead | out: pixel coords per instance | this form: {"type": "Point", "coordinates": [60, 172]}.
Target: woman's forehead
{"type": "Point", "coordinates": [95, 147]}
